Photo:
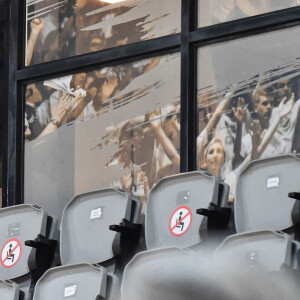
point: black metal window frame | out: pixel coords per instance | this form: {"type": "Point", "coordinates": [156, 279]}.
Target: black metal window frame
{"type": "Point", "coordinates": [186, 42]}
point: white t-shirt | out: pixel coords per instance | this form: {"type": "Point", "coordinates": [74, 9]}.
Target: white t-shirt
{"type": "Point", "coordinates": [281, 141]}
{"type": "Point", "coordinates": [285, 131]}
{"type": "Point", "coordinates": [272, 148]}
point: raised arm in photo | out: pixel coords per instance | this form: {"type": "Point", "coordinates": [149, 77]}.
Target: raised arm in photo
{"type": "Point", "coordinates": [36, 26]}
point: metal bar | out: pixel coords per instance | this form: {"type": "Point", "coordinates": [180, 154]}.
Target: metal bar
{"type": "Point", "coordinates": [12, 189]}
{"type": "Point", "coordinates": [91, 61]}
{"type": "Point", "coordinates": [247, 26]}
{"type": "Point", "coordinates": [22, 33]}
{"type": "Point", "coordinates": [188, 89]}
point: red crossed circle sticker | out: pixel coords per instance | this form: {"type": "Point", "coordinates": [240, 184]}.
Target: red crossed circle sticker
{"type": "Point", "coordinates": [11, 253]}
{"type": "Point", "coordinates": [180, 221]}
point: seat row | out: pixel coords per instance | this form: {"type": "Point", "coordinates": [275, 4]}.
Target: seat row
{"type": "Point", "coordinates": [101, 231]}
{"type": "Point", "coordinates": [32, 245]}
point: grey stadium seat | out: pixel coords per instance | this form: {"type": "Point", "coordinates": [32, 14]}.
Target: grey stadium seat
{"type": "Point", "coordinates": [9, 290]}
{"type": "Point", "coordinates": [20, 223]}
{"type": "Point", "coordinates": [260, 265]}
{"type": "Point", "coordinates": [85, 241]}
{"type": "Point", "coordinates": [262, 200]}
{"type": "Point", "coordinates": [85, 226]}
{"type": "Point", "coordinates": [267, 250]}
{"type": "Point", "coordinates": [161, 274]}
{"type": "Point", "coordinates": [243, 267]}
{"type": "Point", "coordinates": [79, 281]}
{"type": "Point", "coordinates": [23, 225]}
{"type": "Point", "coordinates": [171, 214]}
{"type": "Point", "coordinates": [241, 263]}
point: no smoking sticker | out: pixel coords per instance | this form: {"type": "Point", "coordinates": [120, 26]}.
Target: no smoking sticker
{"type": "Point", "coordinates": [11, 253]}
{"type": "Point", "coordinates": [180, 221]}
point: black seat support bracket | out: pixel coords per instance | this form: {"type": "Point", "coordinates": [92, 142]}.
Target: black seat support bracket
{"type": "Point", "coordinates": [41, 257]}
{"type": "Point", "coordinates": [126, 241]}
{"type": "Point", "coordinates": [218, 217]}
{"type": "Point", "coordinates": [294, 195]}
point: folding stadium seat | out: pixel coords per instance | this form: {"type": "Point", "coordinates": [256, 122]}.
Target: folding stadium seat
{"type": "Point", "coordinates": [26, 225]}
{"type": "Point", "coordinates": [242, 267]}
{"type": "Point", "coordinates": [162, 273]}
{"type": "Point", "coordinates": [174, 221]}
{"type": "Point", "coordinates": [87, 234]}
{"type": "Point", "coordinates": [266, 264]}
{"type": "Point", "coordinates": [262, 196]}
{"type": "Point", "coordinates": [267, 197]}
{"type": "Point", "coordinates": [172, 213]}
{"type": "Point", "coordinates": [9, 290]}
{"type": "Point", "coordinates": [79, 281]}
{"type": "Point", "coordinates": [267, 250]}
{"type": "Point", "coordinates": [86, 240]}
{"type": "Point", "coordinates": [262, 204]}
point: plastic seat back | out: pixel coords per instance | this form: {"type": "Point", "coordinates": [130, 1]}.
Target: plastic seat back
{"type": "Point", "coordinates": [85, 234]}
{"type": "Point", "coordinates": [17, 225]}
{"type": "Point", "coordinates": [266, 250]}
{"type": "Point", "coordinates": [171, 218]}
{"type": "Point", "coordinates": [9, 290]}
{"type": "Point", "coordinates": [262, 200]}
{"type": "Point", "coordinates": [79, 281]}
{"type": "Point", "coordinates": [164, 273]}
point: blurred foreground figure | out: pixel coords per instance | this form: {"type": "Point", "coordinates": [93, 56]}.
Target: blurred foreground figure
{"type": "Point", "coordinates": [192, 279]}
{"type": "Point", "coordinates": [254, 265]}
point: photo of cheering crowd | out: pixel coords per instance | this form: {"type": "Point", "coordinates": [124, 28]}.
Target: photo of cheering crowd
{"type": "Point", "coordinates": [258, 121]}
{"type": "Point", "coordinates": [146, 146]}
{"type": "Point", "coordinates": [62, 28]}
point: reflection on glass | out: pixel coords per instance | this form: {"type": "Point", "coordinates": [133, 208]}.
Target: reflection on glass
{"type": "Point", "coordinates": [117, 126]}
{"type": "Point", "coordinates": [248, 103]}
{"type": "Point", "coordinates": [60, 28]}
{"type": "Point", "coordinates": [218, 11]}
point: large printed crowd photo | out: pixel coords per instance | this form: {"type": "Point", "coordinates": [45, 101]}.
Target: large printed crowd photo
{"type": "Point", "coordinates": [254, 120]}
{"type": "Point", "coordinates": [120, 125]}
{"type": "Point", "coordinates": [62, 28]}
{"type": "Point", "coordinates": [125, 121]}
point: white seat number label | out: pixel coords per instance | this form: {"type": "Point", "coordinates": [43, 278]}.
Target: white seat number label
{"type": "Point", "coordinates": [96, 213]}
{"type": "Point", "coordinates": [272, 182]}
{"type": "Point", "coordinates": [70, 290]}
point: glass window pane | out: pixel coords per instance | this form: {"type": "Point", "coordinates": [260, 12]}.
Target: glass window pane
{"type": "Point", "coordinates": [218, 11]}
{"type": "Point", "coordinates": [117, 126]}
{"type": "Point", "coordinates": [242, 89]}
{"type": "Point", "coordinates": [61, 28]}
